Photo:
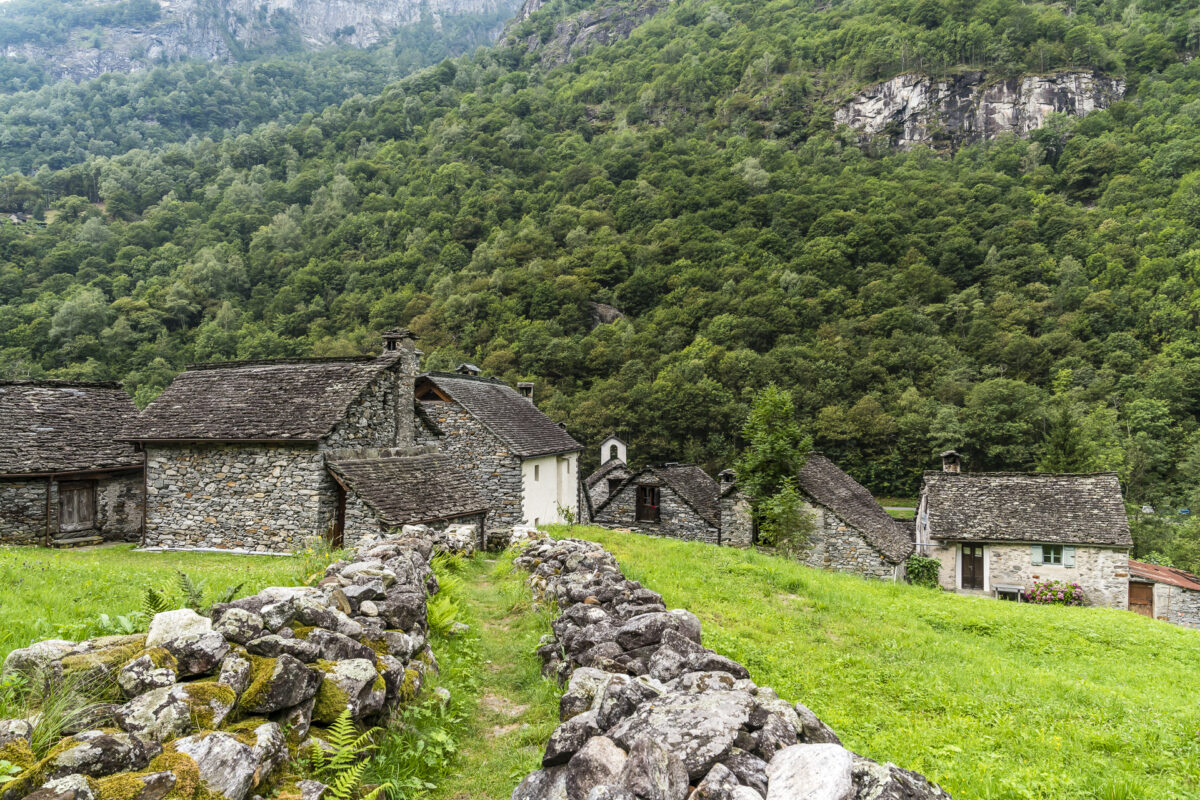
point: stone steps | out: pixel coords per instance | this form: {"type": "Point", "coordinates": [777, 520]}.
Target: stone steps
{"type": "Point", "coordinates": [77, 541]}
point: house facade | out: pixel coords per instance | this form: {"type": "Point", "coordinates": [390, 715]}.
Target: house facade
{"type": "Point", "coordinates": [851, 532]}
{"type": "Point", "coordinates": [65, 478]}
{"type": "Point", "coordinates": [1164, 593]}
{"type": "Point", "coordinates": [246, 455]}
{"type": "Point", "coordinates": [525, 465]}
{"type": "Point", "coordinates": [612, 472]}
{"type": "Point", "coordinates": [676, 500]}
{"type": "Point", "coordinates": [997, 533]}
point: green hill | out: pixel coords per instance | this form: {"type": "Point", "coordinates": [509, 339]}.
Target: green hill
{"type": "Point", "coordinates": [1029, 301]}
{"type": "Point", "coordinates": [996, 701]}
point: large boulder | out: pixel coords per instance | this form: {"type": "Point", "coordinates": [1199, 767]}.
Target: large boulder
{"type": "Point", "coordinates": [197, 653]}
{"type": "Point", "coordinates": [226, 765]}
{"type": "Point", "coordinates": [239, 625]}
{"type": "Point", "coordinates": [647, 629]}
{"type": "Point", "coordinates": [279, 683]}
{"type": "Point", "coordinates": [353, 684]}
{"type": "Point", "coordinates": [652, 772]}
{"type": "Point", "coordinates": [70, 787]}
{"type": "Point", "coordinates": [569, 737]}
{"type": "Point", "coordinates": [700, 728]}
{"type": "Point", "coordinates": [171, 625]}
{"type": "Point", "coordinates": [96, 753]}
{"type": "Point", "coordinates": [811, 772]}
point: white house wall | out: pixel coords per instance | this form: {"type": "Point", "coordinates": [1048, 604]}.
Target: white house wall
{"type": "Point", "coordinates": [548, 482]}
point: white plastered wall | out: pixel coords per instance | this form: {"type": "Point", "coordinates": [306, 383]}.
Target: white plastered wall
{"type": "Point", "coordinates": [548, 483]}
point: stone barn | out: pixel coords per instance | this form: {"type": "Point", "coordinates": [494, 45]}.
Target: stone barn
{"type": "Point", "coordinates": [676, 500]}
{"type": "Point", "coordinates": [1165, 593]}
{"type": "Point", "coordinates": [851, 532]}
{"type": "Point", "coordinates": [526, 465]}
{"type": "Point", "coordinates": [244, 455]}
{"type": "Point", "coordinates": [997, 533]}
{"type": "Point", "coordinates": [65, 478]}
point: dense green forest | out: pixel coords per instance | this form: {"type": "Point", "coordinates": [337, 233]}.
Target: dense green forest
{"type": "Point", "coordinates": [1030, 302]}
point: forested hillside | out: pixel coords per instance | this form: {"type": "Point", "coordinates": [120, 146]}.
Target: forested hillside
{"type": "Point", "coordinates": [1031, 302]}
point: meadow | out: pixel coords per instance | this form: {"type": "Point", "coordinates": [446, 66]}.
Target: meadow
{"type": "Point", "coordinates": [76, 594]}
{"type": "Point", "coordinates": [995, 701]}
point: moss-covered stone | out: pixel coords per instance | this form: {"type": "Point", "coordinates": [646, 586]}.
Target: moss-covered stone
{"type": "Point", "coordinates": [261, 670]}
{"type": "Point", "coordinates": [18, 752]}
{"type": "Point", "coordinates": [378, 645]}
{"type": "Point", "coordinates": [100, 662]}
{"type": "Point", "coordinates": [188, 785]}
{"type": "Point", "coordinates": [134, 785]}
{"type": "Point", "coordinates": [160, 657]}
{"type": "Point", "coordinates": [209, 703]}
{"type": "Point", "coordinates": [302, 631]}
{"type": "Point", "coordinates": [332, 700]}
{"type": "Point", "coordinates": [34, 770]}
{"type": "Point", "coordinates": [410, 687]}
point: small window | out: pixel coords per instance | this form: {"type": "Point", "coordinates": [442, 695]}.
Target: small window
{"type": "Point", "coordinates": [612, 452]}
{"type": "Point", "coordinates": [1052, 554]}
{"type": "Point", "coordinates": [536, 471]}
{"type": "Point", "coordinates": [647, 504]}
{"type": "Point", "coordinates": [613, 483]}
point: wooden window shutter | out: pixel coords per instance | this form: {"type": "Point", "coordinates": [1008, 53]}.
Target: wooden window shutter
{"type": "Point", "coordinates": [1068, 556]}
{"type": "Point", "coordinates": [1036, 552]}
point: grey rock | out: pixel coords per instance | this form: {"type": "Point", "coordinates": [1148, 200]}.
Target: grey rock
{"type": "Point", "coordinates": [333, 646]}
{"type": "Point", "coordinates": [695, 682]}
{"type": "Point", "coordinates": [171, 625]}
{"type": "Point", "coordinates": [875, 781]}
{"type": "Point", "coordinates": [273, 645]}
{"type": "Point", "coordinates": [750, 770]}
{"type": "Point", "coordinates": [666, 664]}
{"type": "Point", "coordinates": [582, 690]}
{"type": "Point", "coordinates": [600, 761]}
{"type": "Point", "coordinates": [621, 698]}
{"type": "Point", "coordinates": [290, 683]}
{"type": "Point", "coordinates": [277, 615]}
{"type": "Point", "coordinates": [812, 730]}
{"type": "Point", "coordinates": [811, 772]}
{"type": "Point", "coordinates": [98, 754]}
{"type": "Point", "coordinates": [699, 728]}
{"type": "Point", "coordinates": [70, 787]}
{"type": "Point", "coordinates": [197, 653]}
{"type": "Point", "coordinates": [157, 715]}
{"type": "Point", "coordinates": [37, 658]}
{"type": "Point", "coordinates": [141, 675]}
{"type": "Point", "coordinates": [154, 785]}
{"type": "Point", "coordinates": [359, 684]}
{"type": "Point", "coordinates": [226, 765]}
{"type": "Point", "coordinates": [297, 719]}
{"type": "Point", "coordinates": [403, 610]}
{"type": "Point", "coordinates": [312, 790]}
{"type": "Point", "coordinates": [235, 672]}
{"type": "Point", "coordinates": [544, 784]}
{"type": "Point", "coordinates": [312, 613]}
{"type": "Point", "coordinates": [270, 751]}
{"type": "Point", "coordinates": [400, 644]}
{"type": "Point", "coordinates": [12, 730]}
{"type": "Point", "coordinates": [569, 737]}
{"type": "Point", "coordinates": [719, 784]}
{"type": "Point", "coordinates": [239, 625]}
{"type": "Point", "coordinates": [652, 772]}
{"type": "Point", "coordinates": [606, 792]}
{"type": "Point", "coordinates": [713, 662]}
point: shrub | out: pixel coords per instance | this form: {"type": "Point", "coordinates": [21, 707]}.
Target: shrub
{"type": "Point", "coordinates": [784, 522]}
{"type": "Point", "coordinates": [922, 570]}
{"type": "Point", "coordinates": [1055, 593]}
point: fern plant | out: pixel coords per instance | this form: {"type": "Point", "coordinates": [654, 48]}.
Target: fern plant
{"type": "Point", "coordinates": [154, 602]}
{"type": "Point", "coordinates": [190, 591]}
{"type": "Point", "coordinates": [341, 766]}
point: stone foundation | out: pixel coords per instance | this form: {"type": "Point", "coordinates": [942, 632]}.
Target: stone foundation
{"type": "Point", "coordinates": [1102, 572]}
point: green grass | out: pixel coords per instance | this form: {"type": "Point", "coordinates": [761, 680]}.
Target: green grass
{"type": "Point", "coordinates": [906, 502]}
{"type": "Point", "coordinates": [996, 701]}
{"type": "Point", "coordinates": [62, 593]}
{"type": "Point", "coordinates": [508, 710]}
{"type": "Point", "coordinates": [902, 513]}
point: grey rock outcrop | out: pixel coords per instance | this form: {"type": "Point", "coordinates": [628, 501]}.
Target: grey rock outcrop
{"type": "Point", "coordinates": [914, 109]}
{"type": "Point", "coordinates": [580, 33]}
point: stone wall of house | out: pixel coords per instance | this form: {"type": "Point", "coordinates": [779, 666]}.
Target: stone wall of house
{"type": "Point", "coordinates": [599, 493]}
{"type": "Point", "coordinates": [1102, 572]}
{"type": "Point", "coordinates": [361, 521]}
{"type": "Point", "coordinates": [268, 498]}
{"type": "Point", "coordinates": [835, 545]}
{"type": "Point", "coordinates": [23, 511]}
{"type": "Point", "coordinates": [481, 455]}
{"type": "Point", "coordinates": [118, 500]}
{"type": "Point", "coordinates": [1177, 605]}
{"type": "Point", "coordinates": [382, 415]}
{"type": "Point", "coordinates": [737, 522]}
{"type": "Point", "coordinates": [677, 519]}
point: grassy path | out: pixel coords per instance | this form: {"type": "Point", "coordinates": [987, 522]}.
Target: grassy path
{"type": "Point", "coordinates": [515, 708]}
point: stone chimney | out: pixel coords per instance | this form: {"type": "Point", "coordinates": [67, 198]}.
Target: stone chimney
{"type": "Point", "coordinates": [728, 477]}
{"type": "Point", "coordinates": [399, 338]}
{"type": "Point", "coordinates": [952, 461]}
{"type": "Point", "coordinates": [526, 390]}
{"type": "Point", "coordinates": [400, 345]}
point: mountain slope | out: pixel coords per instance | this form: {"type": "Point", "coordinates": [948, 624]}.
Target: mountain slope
{"type": "Point", "coordinates": [1029, 301]}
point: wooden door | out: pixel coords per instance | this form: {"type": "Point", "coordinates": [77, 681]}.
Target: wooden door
{"type": "Point", "coordinates": [647, 504]}
{"type": "Point", "coordinates": [337, 536]}
{"type": "Point", "coordinates": [76, 506]}
{"type": "Point", "coordinates": [1141, 598]}
{"type": "Point", "coordinates": [972, 566]}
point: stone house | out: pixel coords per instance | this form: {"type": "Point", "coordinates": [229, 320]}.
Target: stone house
{"type": "Point", "coordinates": [525, 464]}
{"type": "Point", "coordinates": [676, 500]}
{"type": "Point", "coordinates": [1165, 593]}
{"type": "Point", "coordinates": [851, 532]}
{"type": "Point", "coordinates": [65, 478]}
{"type": "Point", "coordinates": [604, 481]}
{"type": "Point", "coordinates": [246, 454]}
{"type": "Point", "coordinates": [997, 533]}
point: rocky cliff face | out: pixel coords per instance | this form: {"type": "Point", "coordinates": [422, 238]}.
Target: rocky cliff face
{"type": "Point", "coordinates": [579, 33]}
{"type": "Point", "coordinates": [227, 30]}
{"type": "Point", "coordinates": [914, 109]}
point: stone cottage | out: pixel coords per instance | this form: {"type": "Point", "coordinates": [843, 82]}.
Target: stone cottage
{"type": "Point", "coordinates": [613, 470]}
{"type": "Point", "coordinates": [65, 479]}
{"type": "Point", "coordinates": [1165, 593]}
{"type": "Point", "coordinates": [244, 454]}
{"type": "Point", "coordinates": [851, 532]}
{"type": "Point", "coordinates": [676, 500]}
{"type": "Point", "coordinates": [997, 533]}
{"type": "Point", "coordinates": [526, 465]}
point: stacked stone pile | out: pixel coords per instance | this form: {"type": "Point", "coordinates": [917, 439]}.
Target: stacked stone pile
{"type": "Point", "coordinates": [205, 707]}
{"type": "Point", "coordinates": [651, 714]}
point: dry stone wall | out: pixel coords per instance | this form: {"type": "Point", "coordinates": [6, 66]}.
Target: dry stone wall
{"type": "Point", "coordinates": [118, 506]}
{"type": "Point", "coordinates": [219, 707]}
{"type": "Point", "coordinates": [650, 713]}
{"type": "Point", "coordinates": [264, 498]}
{"type": "Point", "coordinates": [23, 511]}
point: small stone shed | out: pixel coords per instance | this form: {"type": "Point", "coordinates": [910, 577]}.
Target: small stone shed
{"type": "Point", "coordinates": [65, 478]}
{"type": "Point", "coordinates": [676, 500]}
{"type": "Point", "coordinates": [1165, 593]}
{"type": "Point", "coordinates": [526, 465]}
{"type": "Point", "coordinates": [997, 533]}
{"type": "Point", "coordinates": [236, 452]}
{"type": "Point", "coordinates": [851, 532]}
{"type": "Point", "coordinates": [388, 489]}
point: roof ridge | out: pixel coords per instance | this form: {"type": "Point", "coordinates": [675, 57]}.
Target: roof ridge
{"type": "Point", "coordinates": [458, 376]}
{"type": "Point", "coordinates": [1002, 474]}
{"type": "Point", "coordinates": [64, 384]}
{"type": "Point", "coordinates": [277, 362]}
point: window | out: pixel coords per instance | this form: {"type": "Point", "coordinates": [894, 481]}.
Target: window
{"type": "Point", "coordinates": [1052, 554]}
{"type": "Point", "coordinates": [536, 470]}
{"type": "Point", "coordinates": [612, 452]}
{"type": "Point", "coordinates": [613, 483]}
{"type": "Point", "coordinates": [1057, 555]}
{"type": "Point", "coordinates": [76, 506]}
{"type": "Point", "coordinates": [1011, 593]}
{"type": "Point", "coordinates": [647, 504]}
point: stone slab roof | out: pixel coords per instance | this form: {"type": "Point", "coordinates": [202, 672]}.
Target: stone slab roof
{"type": "Point", "coordinates": [1160, 574]}
{"type": "Point", "coordinates": [60, 426]}
{"type": "Point", "coordinates": [613, 465]}
{"type": "Point", "coordinates": [502, 410]}
{"type": "Point", "coordinates": [407, 490]}
{"type": "Point", "coordinates": [829, 486]}
{"type": "Point", "coordinates": [287, 399]}
{"type": "Point", "coordinates": [1026, 507]}
{"type": "Point", "coordinates": [695, 486]}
